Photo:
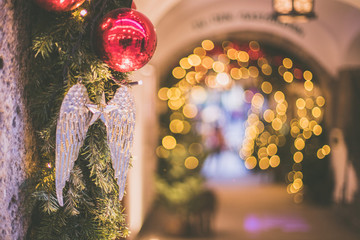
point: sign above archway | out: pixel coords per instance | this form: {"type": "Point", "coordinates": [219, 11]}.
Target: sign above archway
{"type": "Point", "coordinates": [325, 39]}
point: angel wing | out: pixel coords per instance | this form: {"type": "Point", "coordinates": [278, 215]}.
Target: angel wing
{"type": "Point", "coordinates": [120, 124]}
{"type": "Point", "coordinates": [71, 129]}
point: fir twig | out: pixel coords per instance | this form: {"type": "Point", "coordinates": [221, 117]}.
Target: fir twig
{"type": "Point", "coordinates": [62, 54]}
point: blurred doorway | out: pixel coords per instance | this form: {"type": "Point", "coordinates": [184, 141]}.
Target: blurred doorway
{"type": "Point", "coordinates": [234, 109]}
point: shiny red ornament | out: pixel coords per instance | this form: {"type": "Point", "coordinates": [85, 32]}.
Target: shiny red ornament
{"type": "Point", "coordinates": [59, 5]}
{"type": "Point", "coordinates": [125, 39]}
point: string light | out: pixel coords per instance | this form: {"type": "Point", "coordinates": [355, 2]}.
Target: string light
{"type": "Point", "coordinates": [83, 12]}
{"type": "Point", "coordinates": [208, 67]}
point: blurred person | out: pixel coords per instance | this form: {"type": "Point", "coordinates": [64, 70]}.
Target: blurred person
{"type": "Point", "coordinates": [345, 179]}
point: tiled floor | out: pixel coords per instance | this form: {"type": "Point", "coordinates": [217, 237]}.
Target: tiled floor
{"type": "Point", "coordinates": [264, 212]}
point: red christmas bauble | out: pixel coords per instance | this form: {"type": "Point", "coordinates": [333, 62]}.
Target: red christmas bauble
{"type": "Point", "coordinates": [125, 39]}
{"type": "Point", "coordinates": [59, 5]}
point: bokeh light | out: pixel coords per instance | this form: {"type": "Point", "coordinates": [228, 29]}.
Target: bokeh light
{"type": "Point", "coordinates": [271, 149]}
{"type": "Point", "coordinates": [288, 77]}
{"type": "Point", "coordinates": [304, 122]}
{"type": "Point", "coordinates": [264, 163]}
{"type": "Point", "coordinates": [191, 162]}
{"type": "Point", "coordinates": [277, 124]}
{"type": "Point", "coordinates": [299, 143]}
{"type": "Point", "coordinates": [208, 45]}
{"type": "Point", "coordinates": [184, 63]}
{"type": "Point", "coordinates": [187, 127]}
{"type": "Point", "coordinates": [179, 72]}
{"type": "Point", "coordinates": [198, 94]}
{"type": "Point", "coordinates": [298, 157]}
{"type": "Point", "coordinates": [269, 115]}
{"type": "Point", "coordinates": [258, 100]}
{"type": "Point", "coordinates": [309, 103]}
{"type": "Point", "coordinates": [308, 85]}
{"type": "Point", "coordinates": [274, 161]}
{"type": "Point", "coordinates": [196, 149]}
{"type": "Point", "coordinates": [253, 72]}
{"type": "Point", "coordinates": [317, 130]}
{"type": "Point", "coordinates": [254, 46]}
{"type": "Point", "coordinates": [162, 94]}
{"type": "Point", "coordinates": [250, 87]}
{"type": "Point", "coordinates": [194, 60]}
{"type": "Point", "coordinates": [316, 112]}
{"type": "Point", "coordinates": [218, 67]}
{"type": "Point", "coordinates": [207, 62]}
{"type": "Point", "coordinates": [281, 70]}
{"type": "Point", "coordinates": [223, 79]}
{"type": "Point", "coordinates": [320, 101]}
{"type": "Point", "coordinates": [279, 97]}
{"type": "Point", "coordinates": [176, 126]}
{"type": "Point", "coordinates": [326, 149]}
{"type": "Point", "coordinates": [174, 93]}
{"type": "Point", "coordinates": [235, 73]}
{"type": "Point", "coordinates": [287, 63]}
{"type": "Point", "coordinates": [161, 152]}
{"type": "Point", "coordinates": [190, 110]}
{"type": "Point", "coordinates": [199, 51]}
{"type": "Point", "coordinates": [266, 69]}
{"type": "Point", "coordinates": [232, 53]}
{"type": "Point", "coordinates": [307, 75]}
{"type": "Point", "coordinates": [266, 87]}
{"type": "Point", "coordinates": [176, 104]}
{"type": "Point", "coordinates": [243, 56]}
{"type": "Point", "coordinates": [250, 162]}
{"type": "Point", "coordinates": [169, 142]}
{"type": "Point", "coordinates": [300, 103]}
{"type": "Point", "coordinates": [320, 153]}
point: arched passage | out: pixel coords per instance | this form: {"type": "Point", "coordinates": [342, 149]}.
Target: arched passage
{"type": "Point", "coordinates": [238, 97]}
{"type": "Point", "coordinates": [323, 43]}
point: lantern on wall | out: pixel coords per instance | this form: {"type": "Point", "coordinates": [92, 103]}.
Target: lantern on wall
{"type": "Point", "coordinates": [293, 10]}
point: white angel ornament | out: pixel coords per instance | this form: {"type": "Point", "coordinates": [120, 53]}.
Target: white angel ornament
{"type": "Point", "coordinates": [77, 113]}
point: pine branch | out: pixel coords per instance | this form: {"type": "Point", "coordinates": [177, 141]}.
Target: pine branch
{"type": "Point", "coordinates": [62, 56]}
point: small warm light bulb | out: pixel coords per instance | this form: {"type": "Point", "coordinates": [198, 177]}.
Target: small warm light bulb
{"type": "Point", "coordinates": [48, 165]}
{"type": "Point", "coordinates": [223, 79]}
{"type": "Point", "coordinates": [83, 12]}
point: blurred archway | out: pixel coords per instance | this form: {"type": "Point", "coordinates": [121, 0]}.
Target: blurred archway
{"type": "Point", "coordinates": [236, 104]}
{"type": "Point", "coordinates": [323, 44]}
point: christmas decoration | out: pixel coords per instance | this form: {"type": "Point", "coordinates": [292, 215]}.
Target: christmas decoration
{"type": "Point", "coordinates": [62, 55]}
{"type": "Point", "coordinates": [59, 5]}
{"type": "Point", "coordinates": [126, 39]}
{"type": "Point", "coordinates": [71, 131]}
{"type": "Point", "coordinates": [228, 110]}
{"type": "Point", "coordinates": [74, 121]}
{"type": "Point", "coordinates": [133, 5]}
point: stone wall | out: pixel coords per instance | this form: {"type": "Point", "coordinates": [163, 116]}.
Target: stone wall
{"type": "Point", "coordinates": [14, 140]}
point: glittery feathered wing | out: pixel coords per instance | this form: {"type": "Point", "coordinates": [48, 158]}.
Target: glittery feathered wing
{"type": "Point", "coordinates": [120, 124]}
{"type": "Point", "coordinates": [72, 126]}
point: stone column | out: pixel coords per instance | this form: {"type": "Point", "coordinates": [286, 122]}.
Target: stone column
{"type": "Point", "coordinates": [14, 157]}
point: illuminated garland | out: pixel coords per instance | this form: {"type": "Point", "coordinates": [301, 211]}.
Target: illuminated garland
{"type": "Point", "coordinates": [222, 66]}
